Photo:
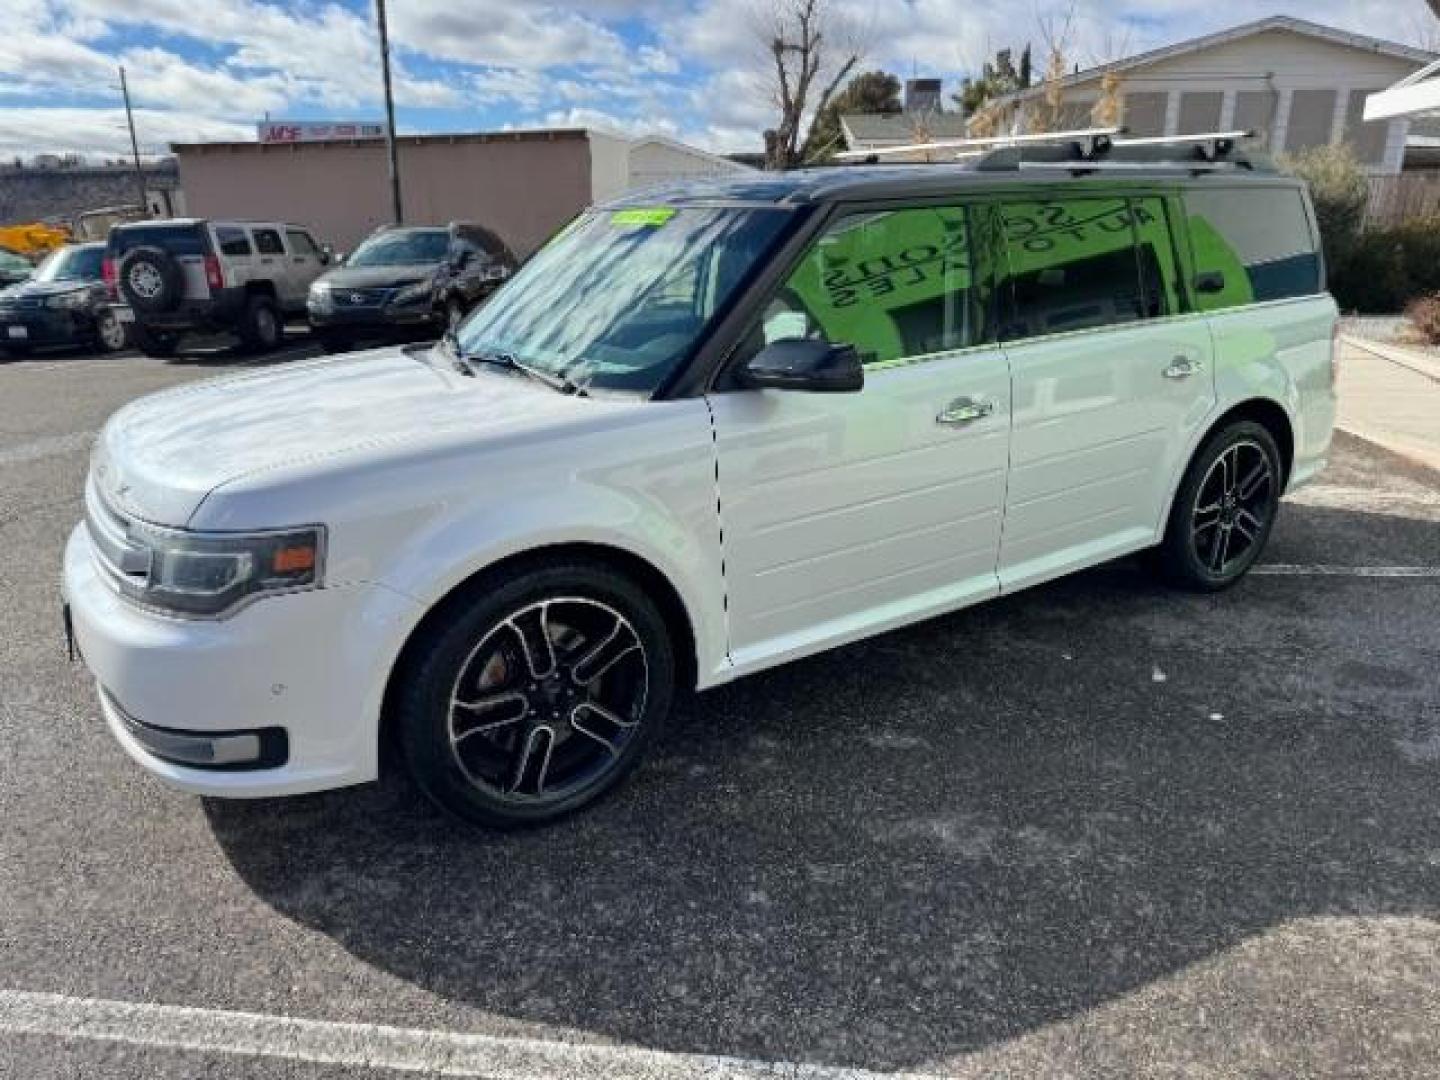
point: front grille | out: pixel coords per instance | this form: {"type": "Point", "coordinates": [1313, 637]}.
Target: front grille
{"type": "Point", "coordinates": [21, 303]}
{"type": "Point", "coordinates": [361, 297]}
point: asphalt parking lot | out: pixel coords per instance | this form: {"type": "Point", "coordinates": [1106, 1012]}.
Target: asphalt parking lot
{"type": "Point", "coordinates": [1097, 828]}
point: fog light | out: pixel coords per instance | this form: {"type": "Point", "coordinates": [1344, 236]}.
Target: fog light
{"type": "Point", "coordinates": [262, 748]}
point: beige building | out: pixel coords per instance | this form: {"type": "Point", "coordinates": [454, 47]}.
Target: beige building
{"type": "Point", "coordinates": [1297, 83]}
{"type": "Point", "coordinates": [522, 184]}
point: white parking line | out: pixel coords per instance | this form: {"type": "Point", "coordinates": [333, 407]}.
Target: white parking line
{"type": "Point", "coordinates": [439, 1053]}
{"type": "Point", "coordinates": [1324, 570]}
{"type": "Point", "coordinates": [49, 446]}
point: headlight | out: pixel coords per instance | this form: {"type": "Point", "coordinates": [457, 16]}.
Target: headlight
{"type": "Point", "coordinates": [496, 272]}
{"type": "Point", "coordinates": [207, 574]}
{"type": "Point", "coordinates": [412, 294]}
{"type": "Point", "coordinates": [320, 296]}
{"type": "Point", "coordinates": [69, 300]}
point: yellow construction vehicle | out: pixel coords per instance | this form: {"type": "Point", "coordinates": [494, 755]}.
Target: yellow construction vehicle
{"type": "Point", "coordinates": [33, 240]}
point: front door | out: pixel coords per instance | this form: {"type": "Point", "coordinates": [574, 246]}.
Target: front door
{"type": "Point", "coordinates": [846, 514]}
{"type": "Point", "coordinates": [1111, 379]}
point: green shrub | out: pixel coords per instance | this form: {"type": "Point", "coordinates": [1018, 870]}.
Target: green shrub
{"type": "Point", "coordinates": [1385, 269]}
{"type": "Point", "coordinates": [1338, 189]}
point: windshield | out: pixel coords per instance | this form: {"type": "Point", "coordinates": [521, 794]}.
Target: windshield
{"type": "Point", "coordinates": [619, 298]}
{"type": "Point", "coordinates": [71, 264]}
{"type": "Point", "coordinates": [398, 248]}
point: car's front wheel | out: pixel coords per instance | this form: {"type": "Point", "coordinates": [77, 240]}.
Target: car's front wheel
{"type": "Point", "coordinates": [1225, 508]}
{"type": "Point", "coordinates": [110, 332]}
{"type": "Point", "coordinates": [535, 692]}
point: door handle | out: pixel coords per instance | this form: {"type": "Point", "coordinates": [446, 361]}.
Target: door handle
{"type": "Point", "coordinates": [966, 410]}
{"type": "Point", "coordinates": [1182, 367]}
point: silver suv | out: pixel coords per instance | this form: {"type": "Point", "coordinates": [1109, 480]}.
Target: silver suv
{"type": "Point", "coordinates": [204, 276]}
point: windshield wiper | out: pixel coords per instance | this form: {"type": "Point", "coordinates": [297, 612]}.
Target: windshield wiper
{"type": "Point", "coordinates": [465, 364]}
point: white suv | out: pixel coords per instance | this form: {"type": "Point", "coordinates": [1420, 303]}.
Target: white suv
{"type": "Point", "coordinates": [187, 275]}
{"type": "Point", "coordinates": [693, 438]}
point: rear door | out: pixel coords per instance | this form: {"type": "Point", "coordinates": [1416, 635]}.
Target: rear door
{"type": "Point", "coordinates": [272, 263]}
{"type": "Point", "coordinates": [845, 514]}
{"type": "Point", "coordinates": [305, 264]}
{"type": "Point", "coordinates": [188, 244]}
{"type": "Point", "coordinates": [1112, 377]}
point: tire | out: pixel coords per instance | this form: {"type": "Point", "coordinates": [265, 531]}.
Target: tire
{"type": "Point", "coordinates": [501, 731]}
{"type": "Point", "coordinates": [260, 327]}
{"type": "Point", "coordinates": [150, 280]}
{"type": "Point", "coordinates": [335, 343]}
{"type": "Point", "coordinates": [160, 344]}
{"type": "Point", "coordinates": [1224, 510]}
{"type": "Point", "coordinates": [110, 332]}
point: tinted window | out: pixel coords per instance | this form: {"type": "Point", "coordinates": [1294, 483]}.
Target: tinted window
{"type": "Point", "coordinates": [1257, 239]}
{"type": "Point", "coordinates": [1075, 265]}
{"type": "Point", "coordinates": [300, 243]}
{"type": "Point", "coordinates": [893, 283]}
{"type": "Point", "coordinates": [176, 239]}
{"type": "Point", "coordinates": [232, 241]}
{"type": "Point", "coordinates": [267, 242]}
{"type": "Point", "coordinates": [402, 247]}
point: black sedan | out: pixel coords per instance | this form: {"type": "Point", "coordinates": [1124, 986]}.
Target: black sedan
{"type": "Point", "coordinates": [64, 303]}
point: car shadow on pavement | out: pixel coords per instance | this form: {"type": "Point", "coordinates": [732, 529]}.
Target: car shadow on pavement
{"type": "Point", "coordinates": [927, 843]}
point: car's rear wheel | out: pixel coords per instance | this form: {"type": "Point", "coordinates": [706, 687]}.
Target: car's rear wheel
{"type": "Point", "coordinates": [1225, 508]}
{"type": "Point", "coordinates": [110, 332]}
{"type": "Point", "coordinates": [536, 694]}
{"type": "Point", "coordinates": [260, 326]}
{"type": "Point", "coordinates": [157, 343]}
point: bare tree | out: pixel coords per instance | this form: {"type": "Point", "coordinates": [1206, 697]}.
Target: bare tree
{"type": "Point", "coordinates": [1056, 32]}
{"type": "Point", "coordinates": [810, 52]}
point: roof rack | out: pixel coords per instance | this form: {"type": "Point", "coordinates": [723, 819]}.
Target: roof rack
{"type": "Point", "coordinates": [1094, 138]}
{"type": "Point", "coordinates": [1089, 150]}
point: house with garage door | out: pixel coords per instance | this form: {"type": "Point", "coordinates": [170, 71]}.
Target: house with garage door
{"type": "Point", "coordinates": [1296, 83]}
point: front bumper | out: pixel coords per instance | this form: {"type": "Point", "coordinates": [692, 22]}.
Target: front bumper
{"type": "Point", "coordinates": [312, 665]}
{"type": "Point", "coordinates": [40, 326]}
{"type": "Point", "coordinates": [381, 320]}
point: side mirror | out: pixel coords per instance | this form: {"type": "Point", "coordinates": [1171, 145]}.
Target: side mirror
{"type": "Point", "coordinates": [1210, 281]}
{"type": "Point", "coordinates": [805, 364]}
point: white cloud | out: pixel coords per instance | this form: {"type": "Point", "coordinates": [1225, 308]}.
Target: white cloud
{"type": "Point", "coordinates": [103, 131]}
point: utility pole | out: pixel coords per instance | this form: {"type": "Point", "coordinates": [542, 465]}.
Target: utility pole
{"type": "Point", "coordinates": [396, 207]}
{"type": "Point", "coordinates": [135, 144]}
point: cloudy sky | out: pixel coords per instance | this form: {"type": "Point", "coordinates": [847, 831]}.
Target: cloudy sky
{"type": "Point", "coordinates": [202, 69]}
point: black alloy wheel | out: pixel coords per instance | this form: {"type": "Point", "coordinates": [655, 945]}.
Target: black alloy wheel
{"type": "Point", "coordinates": [539, 698]}
{"type": "Point", "coordinates": [1225, 508]}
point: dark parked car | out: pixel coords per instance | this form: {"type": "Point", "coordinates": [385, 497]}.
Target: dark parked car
{"type": "Point", "coordinates": [408, 283]}
{"type": "Point", "coordinates": [64, 302]}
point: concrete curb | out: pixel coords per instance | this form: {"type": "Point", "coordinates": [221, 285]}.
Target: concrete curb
{"type": "Point", "coordinates": [1413, 359]}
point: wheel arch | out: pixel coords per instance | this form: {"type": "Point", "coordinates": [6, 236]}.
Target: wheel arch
{"type": "Point", "coordinates": [1268, 413]}
{"type": "Point", "coordinates": [642, 571]}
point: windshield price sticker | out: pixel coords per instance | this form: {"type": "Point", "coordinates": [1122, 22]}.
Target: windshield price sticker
{"type": "Point", "coordinates": [657, 216]}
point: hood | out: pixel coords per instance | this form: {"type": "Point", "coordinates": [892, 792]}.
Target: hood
{"type": "Point", "coordinates": [370, 277]}
{"type": "Point", "coordinates": [159, 457]}
{"type": "Point", "coordinates": [42, 289]}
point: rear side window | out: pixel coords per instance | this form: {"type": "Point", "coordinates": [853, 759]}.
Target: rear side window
{"type": "Point", "coordinates": [1250, 245]}
{"type": "Point", "coordinates": [176, 239]}
{"type": "Point", "coordinates": [267, 242]}
{"type": "Point", "coordinates": [1079, 264]}
{"type": "Point", "coordinates": [232, 241]}
{"type": "Point", "coordinates": [894, 284]}
{"type": "Point", "coordinates": [300, 243]}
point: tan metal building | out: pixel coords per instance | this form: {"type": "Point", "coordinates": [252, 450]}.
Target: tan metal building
{"type": "Point", "coordinates": [522, 184]}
